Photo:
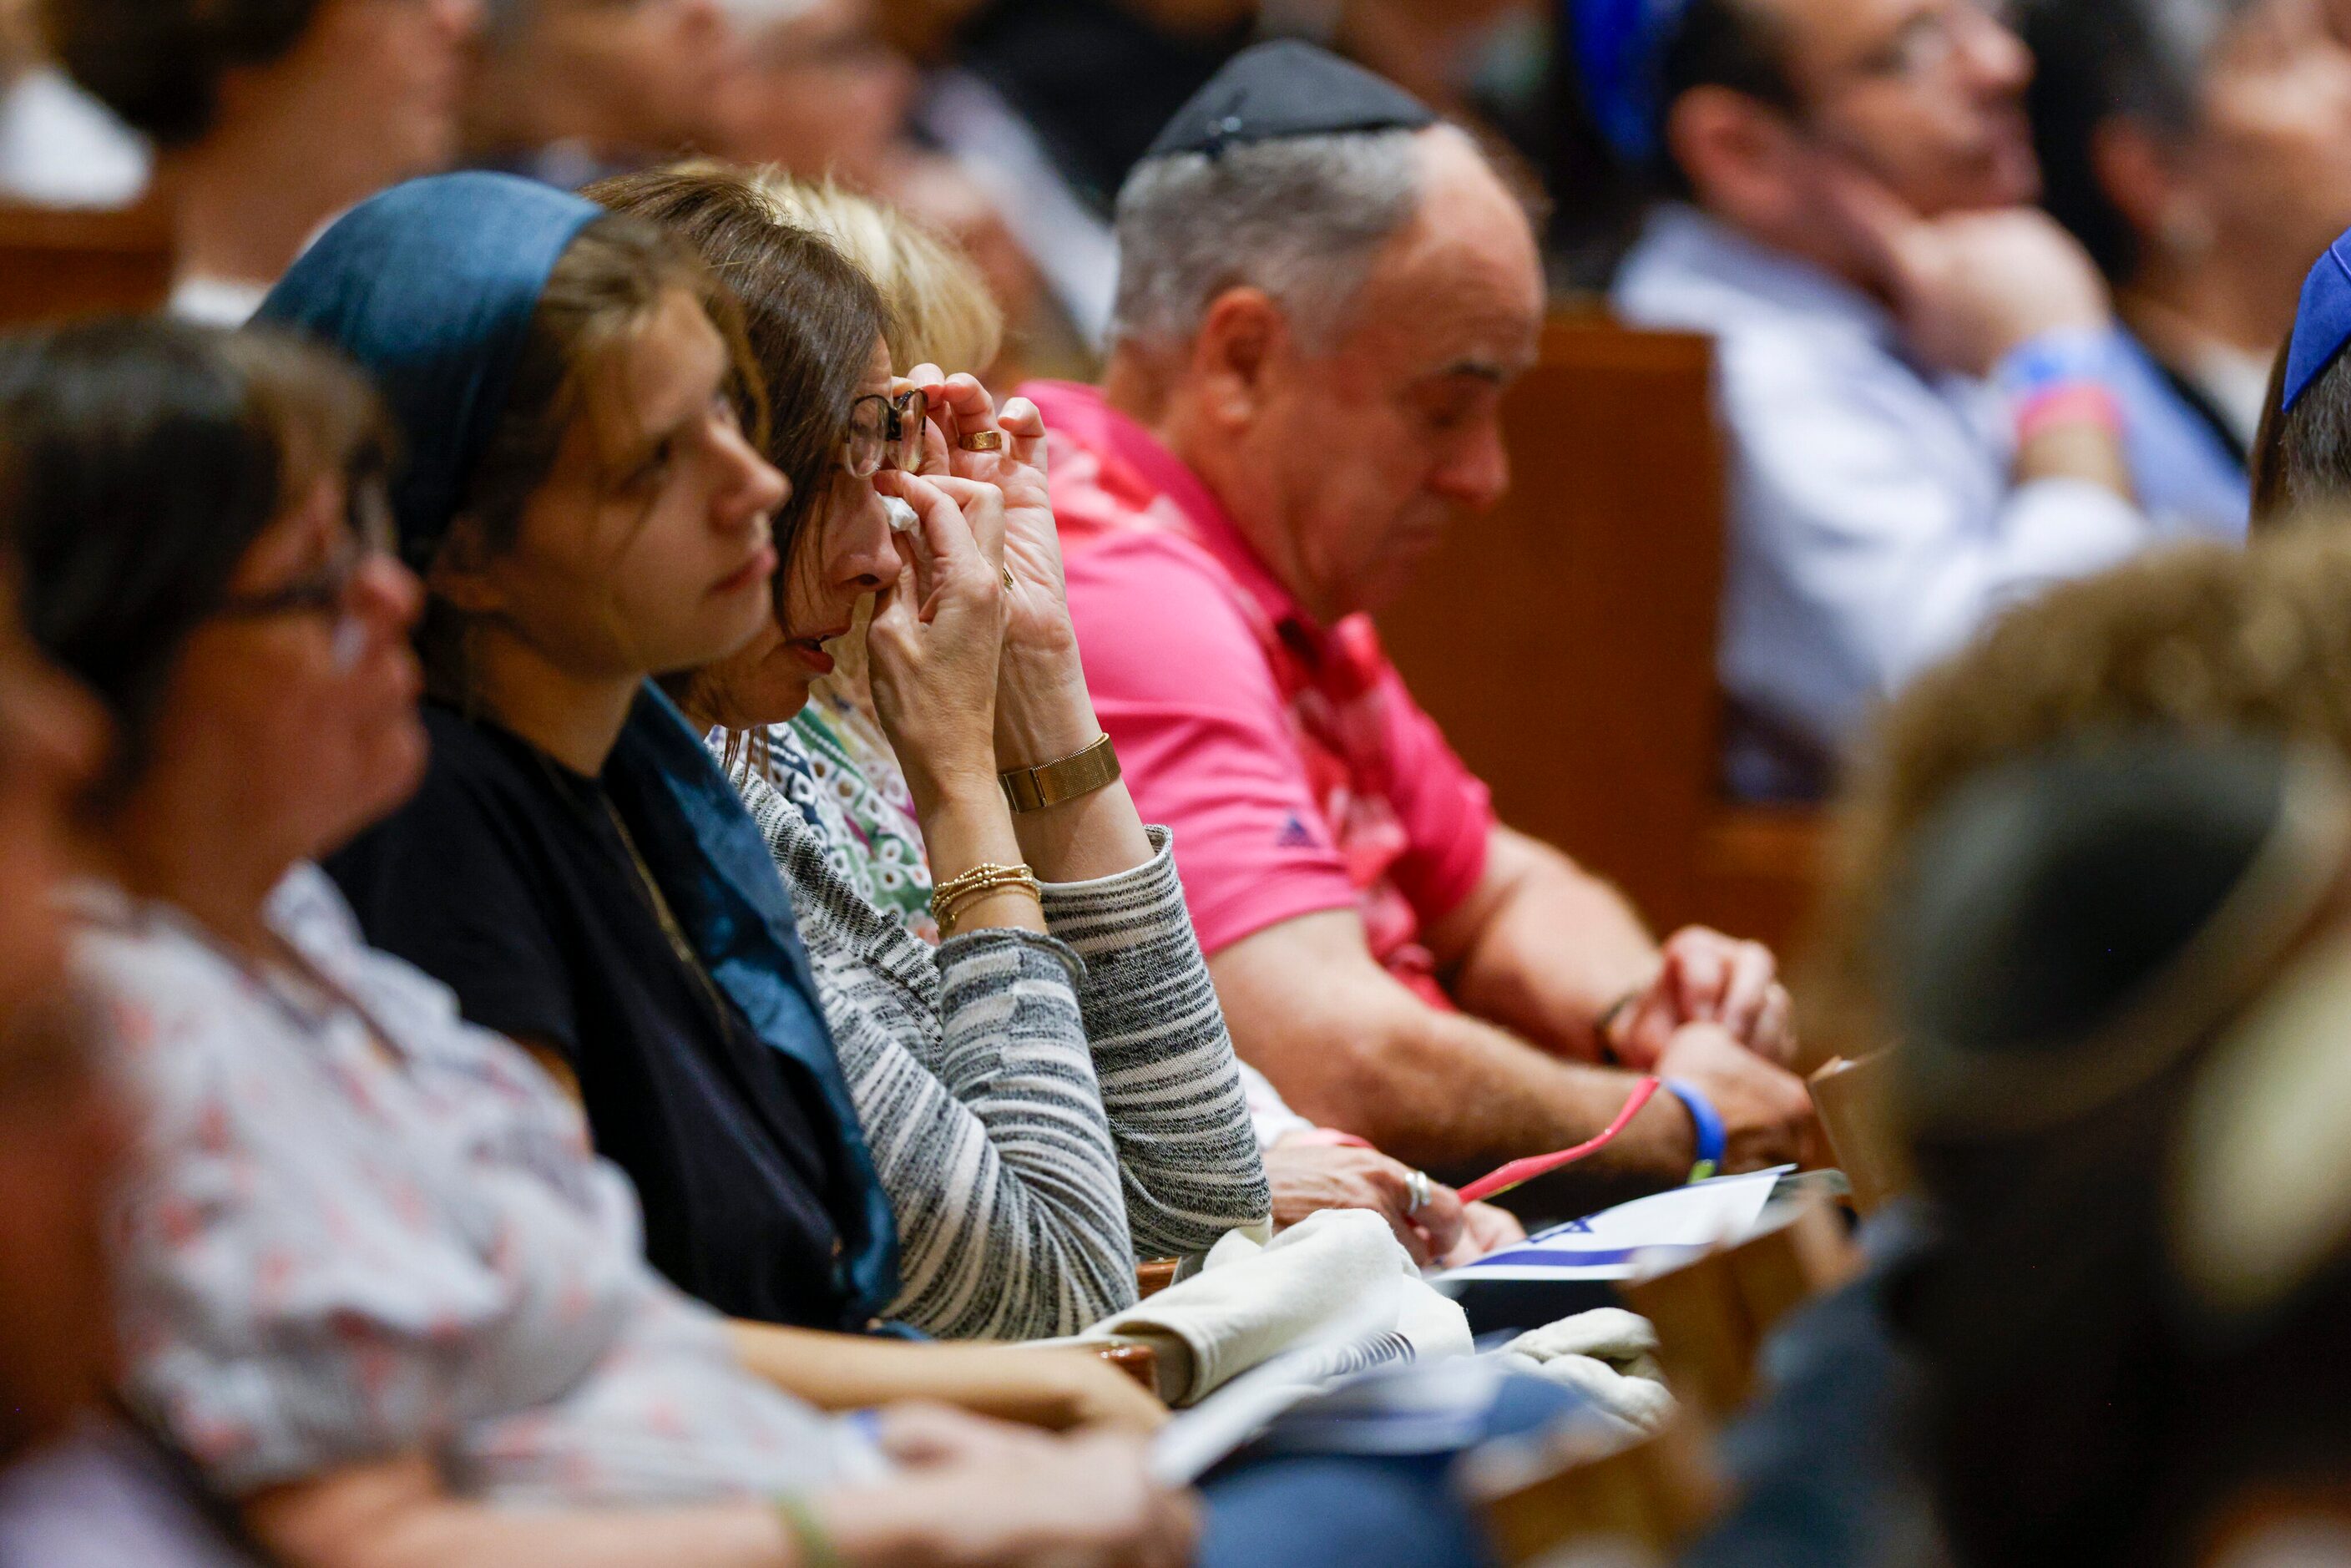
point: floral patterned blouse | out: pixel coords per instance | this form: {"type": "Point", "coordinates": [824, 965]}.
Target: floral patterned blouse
{"type": "Point", "coordinates": [845, 779]}
{"type": "Point", "coordinates": [362, 1228]}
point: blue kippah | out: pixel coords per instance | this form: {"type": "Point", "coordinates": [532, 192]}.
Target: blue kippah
{"type": "Point", "coordinates": [1618, 45]}
{"type": "Point", "coordinates": [2322, 326]}
{"type": "Point", "coordinates": [431, 288]}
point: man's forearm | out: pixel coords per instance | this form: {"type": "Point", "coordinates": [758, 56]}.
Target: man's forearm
{"type": "Point", "coordinates": [1453, 1093]}
{"type": "Point", "coordinates": [1553, 950]}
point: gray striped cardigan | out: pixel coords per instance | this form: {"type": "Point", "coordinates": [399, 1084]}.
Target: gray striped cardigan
{"type": "Point", "coordinates": [1042, 1110]}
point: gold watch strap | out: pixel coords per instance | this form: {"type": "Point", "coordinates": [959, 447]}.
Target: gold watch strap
{"type": "Point", "coordinates": [1034, 789]}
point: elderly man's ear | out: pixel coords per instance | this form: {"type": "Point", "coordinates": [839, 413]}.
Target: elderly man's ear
{"type": "Point", "coordinates": [1242, 342]}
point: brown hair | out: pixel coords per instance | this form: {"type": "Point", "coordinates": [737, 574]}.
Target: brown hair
{"type": "Point", "coordinates": [139, 462]}
{"type": "Point", "coordinates": [159, 63]}
{"type": "Point", "coordinates": [2203, 639]}
{"type": "Point", "coordinates": [810, 318]}
{"type": "Point", "coordinates": [2302, 455]}
{"type": "Point", "coordinates": [603, 291]}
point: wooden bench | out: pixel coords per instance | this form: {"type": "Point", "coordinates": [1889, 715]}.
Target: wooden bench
{"type": "Point", "coordinates": [1713, 1313]}
{"type": "Point", "coordinates": [1630, 1503]}
{"type": "Point", "coordinates": [1566, 640]}
{"type": "Point", "coordinates": [55, 265]}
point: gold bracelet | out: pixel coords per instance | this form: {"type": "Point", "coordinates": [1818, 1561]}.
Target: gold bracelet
{"type": "Point", "coordinates": [1050, 784]}
{"type": "Point", "coordinates": [950, 896]}
{"type": "Point", "coordinates": [951, 922]}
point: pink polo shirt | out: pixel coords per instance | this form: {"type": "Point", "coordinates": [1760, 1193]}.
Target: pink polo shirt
{"type": "Point", "coordinates": [1295, 768]}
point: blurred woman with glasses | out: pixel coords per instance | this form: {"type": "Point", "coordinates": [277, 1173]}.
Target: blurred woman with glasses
{"type": "Point", "coordinates": [371, 1280]}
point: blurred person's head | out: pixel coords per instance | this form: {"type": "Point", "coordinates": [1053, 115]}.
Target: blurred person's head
{"type": "Point", "coordinates": [1322, 326]}
{"type": "Point", "coordinates": [1763, 105]}
{"type": "Point", "coordinates": [628, 81]}
{"type": "Point", "coordinates": [815, 89]}
{"type": "Point", "coordinates": [57, 1132]}
{"type": "Point", "coordinates": [200, 519]}
{"type": "Point", "coordinates": [61, 1138]}
{"type": "Point", "coordinates": [2118, 968]}
{"type": "Point", "coordinates": [2201, 641]}
{"type": "Point", "coordinates": [280, 111]}
{"type": "Point", "coordinates": [2198, 139]}
{"type": "Point", "coordinates": [819, 332]}
{"type": "Point", "coordinates": [584, 492]}
{"type": "Point", "coordinates": [180, 506]}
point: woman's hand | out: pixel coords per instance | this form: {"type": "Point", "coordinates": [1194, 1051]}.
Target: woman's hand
{"type": "Point", "coordinates": [970, 1493]}
{"type": "Point", "coordinates": [938, 637]}
{"type": "Point", "coordinates": [960, 406]}
{"type": "Point", "coordinates": [1485, 1229]}
{"type": "Point", "coordinates": [1043, 712]}
{"type": "Point", "coordinates": [1309, 1176]}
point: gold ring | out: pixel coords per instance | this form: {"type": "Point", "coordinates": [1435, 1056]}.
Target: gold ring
{"type": "Point", "coordinates": [1010, 582]}
{"type": "Point", "coordinates": [982, 441]}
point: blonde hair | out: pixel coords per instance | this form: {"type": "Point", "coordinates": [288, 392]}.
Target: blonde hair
{"type": "Point", "coordinates": [2204, 639]}
{"type": "Point", "coordinates": [940, 309]}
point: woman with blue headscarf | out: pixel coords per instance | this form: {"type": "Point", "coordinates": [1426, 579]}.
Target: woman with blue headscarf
{"type": "Point", "coordinates": [588, 510]}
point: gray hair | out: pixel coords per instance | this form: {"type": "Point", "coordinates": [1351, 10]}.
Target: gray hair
{"type": "Point", "coordinates": [1302, 218]}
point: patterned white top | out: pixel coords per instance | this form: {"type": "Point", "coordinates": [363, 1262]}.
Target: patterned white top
{"type": "Point", "coordinates": [361, 1228]}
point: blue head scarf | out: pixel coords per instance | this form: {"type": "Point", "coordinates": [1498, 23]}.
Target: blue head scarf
{"type": "Point", "coordinates": [2321, 325]}
{"type": "Point", "coordinates": [1619, 45]}
{"type": "Point", "coordinates": [431, 288]}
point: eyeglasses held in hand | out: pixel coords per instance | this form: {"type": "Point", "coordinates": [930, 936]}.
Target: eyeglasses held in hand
{"type": "Point", "coordinates": [885, 432]}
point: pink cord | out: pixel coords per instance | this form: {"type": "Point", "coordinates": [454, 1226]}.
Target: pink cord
{"type": "Point", "coordinates": [1517, 1173]}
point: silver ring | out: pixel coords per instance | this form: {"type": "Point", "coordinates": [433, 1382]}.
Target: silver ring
{"type": "Point", "coordinates": [1416, 1184]}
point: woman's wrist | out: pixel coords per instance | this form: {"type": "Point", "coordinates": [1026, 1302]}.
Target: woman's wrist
{"type": "Point", "coordinates": [868, 1527]}
{"type": "Point", "coordinates": [964, 825]}
{"type": "Point", "coordinates": [1043, 711]}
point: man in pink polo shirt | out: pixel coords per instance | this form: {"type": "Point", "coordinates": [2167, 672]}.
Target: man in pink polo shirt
{"type": "Point", "coordinates": [1323, 293]}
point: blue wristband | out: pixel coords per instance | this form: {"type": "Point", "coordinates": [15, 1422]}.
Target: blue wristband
{"type": "Point", "coordinates": [2055, 359]}
{"type": "Point", "coordinates": [1712, 1139]}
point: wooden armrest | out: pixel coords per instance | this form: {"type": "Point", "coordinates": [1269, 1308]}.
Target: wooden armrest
{"type": "Point", "coordinates": [1851, 1099]}
{"type": "Point", "coordinates": [1536, 1498]}
{"type": "Point", "coordinates": [1713, 1313]}
{"type": "Point", "coordinates": [1139, 1362]}
{"type": "Point", "coordinates": [1154, 1275]}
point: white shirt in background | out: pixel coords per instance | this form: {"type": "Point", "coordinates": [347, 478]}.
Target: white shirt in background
{"type": "Point", "coordinates": [1873, 522]}
{"type": "Point", "coordinates": [215, 301]}
{"type": "Point", "coordinates": [59, 147]}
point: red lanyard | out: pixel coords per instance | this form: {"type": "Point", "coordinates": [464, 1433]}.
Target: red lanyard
{"type": "Point", "coordinates": [1517, 1173]}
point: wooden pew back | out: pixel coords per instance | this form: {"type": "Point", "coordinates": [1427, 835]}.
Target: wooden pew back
{"type": "Point", "coordinates": [1566, 640]}
{"type": "Point", "coordinates": [56, 264]}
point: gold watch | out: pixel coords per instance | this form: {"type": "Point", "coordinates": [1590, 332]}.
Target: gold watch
{"type": "Point", "coordinates": [1035, 789]}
